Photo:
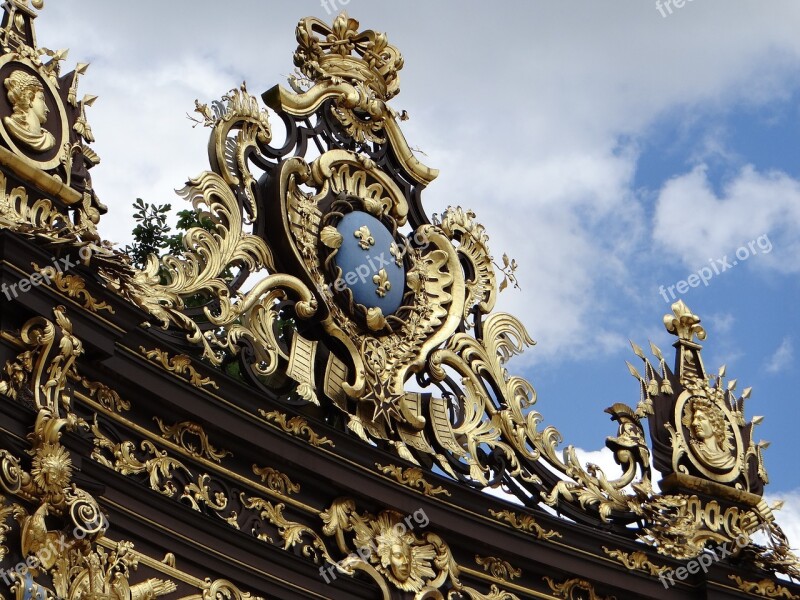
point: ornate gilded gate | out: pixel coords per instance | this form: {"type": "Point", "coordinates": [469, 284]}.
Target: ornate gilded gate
{"type": "Point", "coordinates": [311, 399]}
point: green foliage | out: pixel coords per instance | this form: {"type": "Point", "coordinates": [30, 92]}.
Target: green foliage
{"type": "Point", "coordinates": [152, 234]}
{"type": "Point", "coordinates": [151, 231]}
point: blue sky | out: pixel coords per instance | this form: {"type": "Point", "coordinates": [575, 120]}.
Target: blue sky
{"type": "Point", "coordinates": [609, 149]}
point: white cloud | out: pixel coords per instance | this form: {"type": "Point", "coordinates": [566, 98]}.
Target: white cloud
{"type": "Point", "coordinates": [782, 357]}
{"type": "Point", "coordinates": [697, 225]}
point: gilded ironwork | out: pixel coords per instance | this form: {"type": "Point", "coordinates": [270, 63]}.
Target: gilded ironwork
{"type": "Point", "coordinates": [63, 512]}
{"type": "Point", "coordinates": [201, 491]}
{"type": "Point", "coordinates": [180, 365]}
{"type": "Point", "coordinates": [74, 286]}
{"type": "Point", "coordinates": [276, 481]}
{"type": "Point", "coordinates": [497, 567]}
{"type": "Point", "coordinates": [764, 588]}
{"type": "Point", "coordinates": [283, 300]}
{"type": "Point", "coordinates": [187, 435]}
{"type": "Point", "coordinates": [297, 426]}
{"type": "Point", "coordinates": [412, 477]}
{"type": "Point", "coordinates": [524, 523]}
{"type": "Point", "coordinates": [575, 589]}
{"type": "Point", "coordinates": [105, 396]}
{"type": "Point", "coordinates": [636, 561]}
{"type": "Point", "coordinates": [403, 554]}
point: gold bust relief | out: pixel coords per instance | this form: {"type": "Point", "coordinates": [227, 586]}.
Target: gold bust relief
{"type": "Point", "coordinates": [710, 438]}
{"type": "Point", "coordinates": [26, 95]}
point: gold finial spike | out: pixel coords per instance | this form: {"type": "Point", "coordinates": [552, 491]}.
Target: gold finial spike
{"type": "Point", "coordinates": [656, 351]}
{"type": "Point", "coordinates": [722, 370]}
{"type": "Point", "coordinates": [637, 350]}
{"type": "Point", "coordinates": [633, 371]}
{"type": "Point", "coordinates": [732, 385]}
{"type": "Point", "coordinates": [763, 444]}
{"type": "Point", "coordinates": [777, 505]}
{"type": "Point", "coordinates": [683, 323]}
{"type": "Point", "coordinates": [757, 420]}
{"type": "Point", "coordinates": [746, 393]}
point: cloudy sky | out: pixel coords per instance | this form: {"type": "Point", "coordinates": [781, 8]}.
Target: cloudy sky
{"type": "Point", "coordinates": [612, 148]}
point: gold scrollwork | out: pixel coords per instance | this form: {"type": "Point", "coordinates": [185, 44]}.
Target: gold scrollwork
{"type": "Point", "coordinates": [105, 396]}
{"type": "Point", "coordinates": [572, 589]}
{"type": "Point", "coordinates": [764, 588]}
{"type": "Point", "coordinates": [524, 523]}
{"type": "Point", "coordinates": [413, 477]}
{"type": "Point", "coordinates": [636, 561]}
{"type": "Point", "coordinates": [74, 286]}
{"type": "Point", "coordinates": [297, 426]}
{"type": "Point", "coordinates": [157, 464]}
{"type": "Point", "coordinates": [180, 365]}
{"type": "Point", "coordinates": [178, 433]}
{"type": "Point", "coordinates": [501, 569]}
{"type": "Point", "coordinates": [277, 481]}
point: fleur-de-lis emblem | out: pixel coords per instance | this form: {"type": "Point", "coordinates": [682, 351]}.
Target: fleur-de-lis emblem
{"type": "Point", "coordinates": [383, 283]}
{"type": "Point", "coordinates": [365, 239]}
{"type": "Point", "coordinates": [395, 251]}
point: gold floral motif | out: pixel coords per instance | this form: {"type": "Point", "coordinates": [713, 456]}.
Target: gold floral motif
{"type": "Point", "coordinates": [636, 561]}
{"type": "Point", "coordinates": [765, 588]}
{"type": "Point", "coordinates": [365, 239]}
{"type": "Point", "coordinates": [168, 476]}
{"type": "Point", "coordinates": [222, 588]}
{"type": "Point", "coordinates": [180, 365]}
{"type": "Point", "coordinates": [381, 280]}
{"type": "Point", "coordinates": [412, 477]}
{"type": "Point", "coordinates": [572, 589]}
{"type": "Point", "coordinates": [73, 286]}
{"type": "Point", "coordinates": [178, 433]}
{"type": "Point", "coordinates": [501, 569]}
{"type": "Point", "coordinates": [297, 426]}
{"type": "Point", "coordinates": [17, 210]}
{"type": "Point", "coordinates": [276, 481]}
{"type": "Point", "coordinates": [199, 493]}
{"type": "Point", "coordinates": [524, 523]}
